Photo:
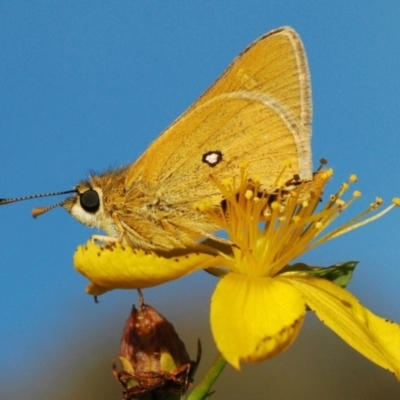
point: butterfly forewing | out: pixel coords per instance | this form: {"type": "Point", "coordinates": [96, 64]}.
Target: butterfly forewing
{"type": "Point", "coordinates": [258, 111]}
{"type": "Point", "coordinates": [274, 65]}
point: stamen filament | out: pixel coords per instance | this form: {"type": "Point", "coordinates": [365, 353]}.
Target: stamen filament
{"type": "Point", "coordinates": [349, 227]}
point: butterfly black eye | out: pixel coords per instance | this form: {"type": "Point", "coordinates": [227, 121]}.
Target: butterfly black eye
{"type": "Point", "coordinates": [90, 201]}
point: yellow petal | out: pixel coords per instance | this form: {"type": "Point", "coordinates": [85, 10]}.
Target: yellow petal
{"type": "Point", "coordinates": [376, 338]}
{"type": "Point", "coordinates": [254, 318]}
{"type": "Point", "coordinates": [117, 266]}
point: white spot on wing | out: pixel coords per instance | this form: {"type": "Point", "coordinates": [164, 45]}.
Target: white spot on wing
{"type": "Point", "coordinates": [212, 158]}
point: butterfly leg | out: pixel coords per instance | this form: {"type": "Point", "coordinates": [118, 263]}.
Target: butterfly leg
{"type": "Point", "coordinates": [119, 227]}
{"type": "Point", "coordinates": [111, 239]}
{"type": "Point", "coordinates": [104, 239]}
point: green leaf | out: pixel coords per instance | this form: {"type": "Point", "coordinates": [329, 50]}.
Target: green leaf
{"type": "Point", "coordinates": [340, 273]}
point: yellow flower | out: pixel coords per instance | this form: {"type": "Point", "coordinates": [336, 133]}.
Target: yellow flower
{"type": "Point", "coordinates": [259, 303]}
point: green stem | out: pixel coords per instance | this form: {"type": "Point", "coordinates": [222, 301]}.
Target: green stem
{"type": "Point", "coordinates": [202, 390]}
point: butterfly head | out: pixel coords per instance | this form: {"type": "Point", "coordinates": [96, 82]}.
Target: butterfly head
{"type": "Point", "coordinates": [89, 205]}
{"type": "Point", "coordinates": [86, 203]}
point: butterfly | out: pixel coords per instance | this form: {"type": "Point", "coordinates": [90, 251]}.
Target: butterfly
{"type": "Point", "coordinates": [259, 110]}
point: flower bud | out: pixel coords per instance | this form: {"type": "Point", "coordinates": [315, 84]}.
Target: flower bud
{"type": "Point", "coordinates": [154, 359]}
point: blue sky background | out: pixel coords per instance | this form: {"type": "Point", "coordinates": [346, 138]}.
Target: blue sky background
{"type": "Point", "coordinates": [87, 85]}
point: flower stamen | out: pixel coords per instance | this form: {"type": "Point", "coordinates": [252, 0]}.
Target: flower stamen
{"type": "Point", "coordinates": [292, 222]}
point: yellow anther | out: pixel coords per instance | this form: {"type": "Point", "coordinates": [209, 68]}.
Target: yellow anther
{"type": "Point", "coordinates": [353, 178]}
{"type": "Point", "coordinates": [296, 219]}
{"type": "Point", "coordinates": [275, 205]}
{"type": "Point", "coordinates": [203, 205]}
{"type": "Point", "coordinates": [287, 164]}
{"type": "Point", "coordinates": [249, 194]}
{"type": "Point", "coordinates": [396, 201]}
{"type": "Point", "coordinates": [227, 182]}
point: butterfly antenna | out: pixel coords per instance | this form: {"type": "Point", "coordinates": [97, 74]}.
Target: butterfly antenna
{"type": "Point", "coordinates": [39, 210]}
{"type": "Point", "coordinates": [34, 196]}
